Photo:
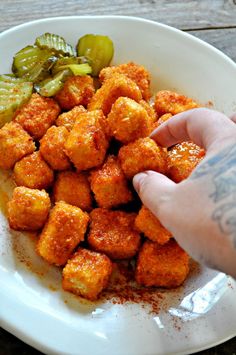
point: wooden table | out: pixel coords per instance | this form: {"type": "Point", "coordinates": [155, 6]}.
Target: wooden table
{"type": "Point", "coordinates": [211, 20]}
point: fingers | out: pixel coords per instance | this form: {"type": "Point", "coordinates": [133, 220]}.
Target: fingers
{"type": "Point", "coordinates": [201, 125]}
{"type": "Point", "coordinates": [155, 191]}
{"type": "Point", "coordinates": [233, 118]}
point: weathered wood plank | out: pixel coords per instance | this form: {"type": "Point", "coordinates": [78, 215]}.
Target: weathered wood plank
{"type": "Point", "coordinates": [224, 39]}
{"type": "Point", "coordinates": [182, 14]}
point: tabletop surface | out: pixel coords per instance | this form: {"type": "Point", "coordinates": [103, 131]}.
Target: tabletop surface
{"type": "Point", "coordinates": [214, 21]}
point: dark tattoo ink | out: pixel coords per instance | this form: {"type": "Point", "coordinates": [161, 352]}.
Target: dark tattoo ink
{"type": "Point", "coordinates": [222, 169]}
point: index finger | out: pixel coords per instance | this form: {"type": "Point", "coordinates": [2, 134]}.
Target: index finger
{"type": "Point", "coordinates": [201, 126]}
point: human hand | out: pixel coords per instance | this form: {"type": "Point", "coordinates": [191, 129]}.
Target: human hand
{"type": "Point", "coordinates": [200, 211]}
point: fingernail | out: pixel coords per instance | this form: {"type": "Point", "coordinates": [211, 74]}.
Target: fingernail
{"type": "Point", "coordinates": [137, 180]}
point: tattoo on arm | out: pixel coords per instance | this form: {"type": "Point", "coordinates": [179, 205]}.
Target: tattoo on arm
{"type": "Point", "coordinates": [222, 169]}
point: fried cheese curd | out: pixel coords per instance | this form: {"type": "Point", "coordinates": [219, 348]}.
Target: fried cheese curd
{"type": "Point", "coordinates": [52, 148]}
{"type": "Point", "coordinates": [32, 171]}
{"type": "Point", "coordinates": [161, 120]}
{"type": "Point", "coordinates": [162, 265]}
{"type": "Point", "coordinates": [113, 233]}
{"type": "Point", "coordinates": [148, 224]}
{"type": "Point", "coordinates": [150, 110]}
{"type": "Point", "coordinates": [87, 273]}
{"type": "Point", "coordinates": [134, 71]}
{"type": "Point", "coordinates": [28, 209]}
{"type": "Point", "coordinates": [128, 120]}
{"type": "Point", "coordinates": [109, 184]}
{"type": "Point", "coordinates": [87, 143]}
{"type": "Point", "coordinates": [114, 87]}
{"type": "Point", "coordinates": [64, 230]}
{"type": "Point", "coordinates": [15, 143]}
{"type": "Point", "coordinates": [182, 159]}
{"type": "Point", "coordinates": [77, 90]}
{"type": "Point", "coordinates": [37, 115]}
{"type": "Point", "coordinates": [170, 102]}
{"type": "Point", "coordinates": [140, 155]}
{"type": "Point", "coordinates": [67, 119]}
{"type": "Point", "coordinates": [73, 188]}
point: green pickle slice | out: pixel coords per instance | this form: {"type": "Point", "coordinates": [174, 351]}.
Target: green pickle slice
{"type": "Point", "coordinates": [99, 49]}
{"type": "Point", "coordinates": [56, 43]}
{"type": "Point", "coordinates": [50, 86]}
{"type": "Point", "coordinates": [65, 61]}
{"type": "Point", "coordinates": [14, 92]}
{"type": "Point", "coordinates": [32, 63]}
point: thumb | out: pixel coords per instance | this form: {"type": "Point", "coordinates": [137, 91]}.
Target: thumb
{"type": "Point", "coordinates": [155, 191]}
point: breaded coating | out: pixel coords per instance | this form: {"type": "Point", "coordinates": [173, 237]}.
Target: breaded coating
{"type": "Point", "coordinates": [77, 90]}
{"type": "Point", "coordinates": [86, 274]}
{"type": "Point", "coordinates": [113, 233]}
{"type": "Point", "coordinates": [182, 159]}
{"type": "Point", "coordinates": [171, 102]}
{"type": "Point", "coordinates": [15, 143]}
{"type": "Point", "coordinates": [162, 265]}
{"type": "Point", "coordinates": [114, 87]}
{"type": "Point", "coordinates": [128, 120]}
{"type": "Point", "coordinates": [52, 148]}
{"type": "Point", "coordinates": [28, 209]}
{"type": "Point", "coordinates": [143, 154]}
{"type": "Point", "coordinates": [73, 188]}
{"type": "Point", "coordinates": [148, 224]}
{"type": "Point", "coordinates": [87, 144]}
{"type": "Point", "coordinates": [67, 119]}
{"type": "Point", "coordinates": [64, 230]}
{"type": "Point", "coordinates": [161, 120]}
{"type": "Point", "coordinates": [37, 115]}
{"type": "Point", "coordinates": [150, 110]}
{"type": "Point", "coordinates": [109, 184]}
{"type": "Point", "coordinates": [33, 172]}
{"type": "Point", "coordinates": [134, 71]}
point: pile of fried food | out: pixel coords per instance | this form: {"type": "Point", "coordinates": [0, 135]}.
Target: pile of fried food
{"type": "Point", "coordinates": [73, 158]}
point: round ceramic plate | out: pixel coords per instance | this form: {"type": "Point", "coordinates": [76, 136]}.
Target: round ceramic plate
{"type": "Point", "coordinates": [33, 306]}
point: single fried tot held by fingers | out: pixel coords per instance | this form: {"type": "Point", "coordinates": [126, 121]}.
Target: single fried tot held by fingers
{"type": "Point", "coordinates": [64, 230]}
{"type": "Point", "coordinates": [148, 224]}
{"type": "Point", "coordinates": [170, 102]}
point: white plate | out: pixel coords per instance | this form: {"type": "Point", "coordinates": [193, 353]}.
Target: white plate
{"type": "Point", "coordinates": [35, 309]}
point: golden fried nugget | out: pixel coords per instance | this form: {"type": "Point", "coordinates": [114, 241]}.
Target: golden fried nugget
{"type": "Point", "coordinates": [171, 102]}
{"type": "Point", "coordinates": [161, 120]}
{"type": "Point", "coordinates": [67, 119]}
{"type": "Point", "coordinates": [73, 188]}
{"type": "Point", "coordinates": [134, 71]}
{"type": "Point", "coordinates": [148, 224]}
{"type": "Point", "coordinates": [28, 209]}
{"type": "Point", "coordinates": [86, 274]}
{"type": "Point", "coordinates": [128, 120]}
{"type": "Point", "coordinates": [87, 144]}
{"type": "Point", "coordinates": [182, 159]}
{"type": "Point", "coordinates": [150, 110]}
{"type": "Point", "coordinates": [15, 143]}
{"type": "Point", "coordinates": [37, 115]}
{"type": "Point", "coordinates": [33, 172]}
{"type": "Point", "coordinates": [109, 184]}
{"type": "Point", "coordinates": [113, 88]}
{"type": "Point", "coordinates": [52, 148]}
{"type": "Point", "coordinates": [77, 90]}
{"type": "Point", "coordinates": [64, 230]}
{"type": "Point", "coordinates": [113, 233]}
{"type": "Point", "coordinates": [162, 265]}
{"type": "Point", "coordinates": [143, 154]}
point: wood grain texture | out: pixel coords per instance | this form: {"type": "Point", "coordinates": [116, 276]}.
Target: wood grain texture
{"type": "Point", "coordinates": [223, 39]}
{"type": "Point", "coordinates": [185, 14]}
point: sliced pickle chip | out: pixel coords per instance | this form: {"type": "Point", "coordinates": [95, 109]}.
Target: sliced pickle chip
{"type": "Point", "coordinates": [14, 92]}
{"type": "Point", "coordinates": [32, 63]}
{"type": "Point", "coordinates": [55, 43]}
{"type": "Point", "coordinates": [51, 86]}
{"type": "Point", "coordinates": [78, 69]}
{"type": "Point", "coordinates": [99, 49]}
{"type": "Point", "coordinates": [67, 61]}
